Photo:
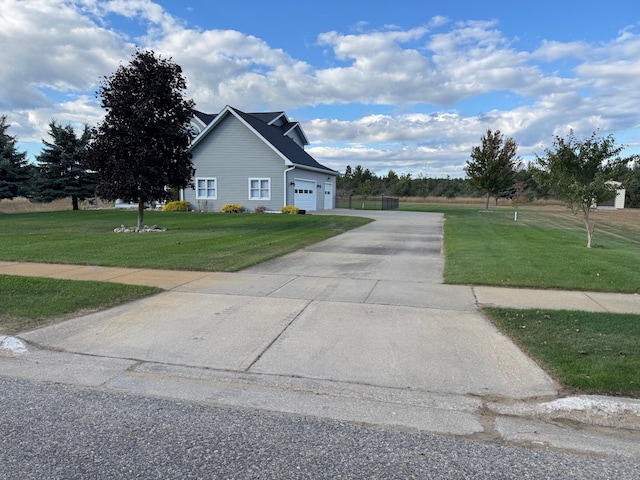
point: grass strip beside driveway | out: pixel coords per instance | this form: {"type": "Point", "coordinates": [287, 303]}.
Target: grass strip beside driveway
{"type": "Point", "coordinates": [545, 248]}
{"type": "Point", "coordinates": [193, 241]}
{"type": "Point", "coordinates": [29, 302]}
{"type": "Point", "coordinates": [595, 353]}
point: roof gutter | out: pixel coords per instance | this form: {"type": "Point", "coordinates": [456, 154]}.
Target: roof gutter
{"type": "Point", "coordinates": [319, 170]}
{"type": "Point", "coordinates": [285, 184]}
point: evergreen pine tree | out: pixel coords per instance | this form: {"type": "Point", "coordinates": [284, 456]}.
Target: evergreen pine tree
{"type": "Point", "coordinates": [61, 165]}
{"type": "Point", "coordinates": [13, 164]}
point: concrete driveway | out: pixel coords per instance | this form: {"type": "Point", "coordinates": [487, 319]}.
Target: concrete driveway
{"type": "Point", "coordinates": [367, 307]}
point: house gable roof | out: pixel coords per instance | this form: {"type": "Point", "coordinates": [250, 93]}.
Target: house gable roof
{"type": "Point", "coordinates": [269, 117]}
{"type": "Point", "coordinates": [275, 136]}
{"type": "Point", "coordinates": [205, 118]}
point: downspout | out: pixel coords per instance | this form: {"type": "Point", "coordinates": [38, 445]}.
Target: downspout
{"type": "Point", "coordinates": [286, 185]}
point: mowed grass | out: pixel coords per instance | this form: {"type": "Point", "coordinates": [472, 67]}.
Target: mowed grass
{"type": "Point", "coordinates": [586, 352]}
{"type": "Point", "coordinates": [544, 248]}
{"type": "Point", "coordinates": [193, 241]}
{"type": "Point", "coordinates": [29, 302]}
{"type": "Point", "coordinates": [595, 353]}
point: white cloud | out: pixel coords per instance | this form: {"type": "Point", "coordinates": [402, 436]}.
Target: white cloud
{"type": "Point", "coordinates": [551, 50]}
{"type": "Point", "coordinates": [416, 160]}
{"type": "Point", "coordinates": [61, 49]}
{"type": "Point", "coordinates": [228, 67]}
{"type": "Point", "coordinates": [137, 8]}
{"type": "Point", "coordinates": [54, 47]}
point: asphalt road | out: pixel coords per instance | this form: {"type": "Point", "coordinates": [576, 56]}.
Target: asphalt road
{"type": "Point", "coordinates": [50, 431]}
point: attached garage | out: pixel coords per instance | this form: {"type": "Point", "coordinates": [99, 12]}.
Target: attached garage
{"type": "Point", "coordinates": [304, 195]}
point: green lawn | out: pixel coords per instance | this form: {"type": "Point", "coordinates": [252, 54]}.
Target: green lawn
{"type": "Point", "coordinates": [591, 353]}
{"type": "Point", "coordinates": [594, 353]}
{"type": "Point", "coordinates": [545, 248]}
{"type": "Point", "coordinates": [29, 302]}
{"type": "Point", "coordinates": [193, 241]}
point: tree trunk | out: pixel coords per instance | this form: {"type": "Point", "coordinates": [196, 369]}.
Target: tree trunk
{"type": "Point", "coordinates": [486, 207]}
{"type": "Point", "coordinates": [74, 202]}
{"type": "Point", "coordinates": [589, 226]}
{"type": "Point", "coordinates": [140, 214]}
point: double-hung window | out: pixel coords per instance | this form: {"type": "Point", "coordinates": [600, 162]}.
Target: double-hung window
{"type": "Point", "coordinates": [206, 188]}
{"type": "Point", "coordinates": [259, 189]}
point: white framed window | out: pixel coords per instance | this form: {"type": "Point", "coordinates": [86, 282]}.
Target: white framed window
{"type": "Point", "coordinates": [207, 188]}
{"type": "Point", "coordinates": [259, 189]}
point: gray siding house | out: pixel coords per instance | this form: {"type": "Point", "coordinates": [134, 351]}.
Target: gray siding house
{"type": "Point", "coordinates": [255, 160]}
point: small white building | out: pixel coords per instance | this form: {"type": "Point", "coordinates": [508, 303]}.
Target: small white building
{"type": "Point", "coordinates": [617, 201]}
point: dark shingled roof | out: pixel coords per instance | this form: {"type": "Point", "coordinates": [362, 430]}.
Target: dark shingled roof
{"type": "Point", "coordinates": [266, 117]}
{"type": "Point", "coordinates": [205, 118]}
{"type": "Point", "coordinates": [274, 135]}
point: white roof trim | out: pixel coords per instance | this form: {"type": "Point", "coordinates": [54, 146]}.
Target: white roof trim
{"type": "Point", "coordinates": [209, 127]}
{"type": "Point", "coordinates": [317, 170]}
{"type": "Point", "coordinates": [273, 120]}
{"type": "Point", "coordinates": [198, 122]}
{"type": "Point", "coordinates": [292, 128]}
{"type": "Point", "coordinates": [223, 114]}
{"type": "Point", "coordinates": [287, 162]}
{"type": "Point", "coordinates": [297, 125]}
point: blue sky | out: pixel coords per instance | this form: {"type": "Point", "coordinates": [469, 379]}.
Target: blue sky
{"type": "Point", "coordinates": [406, 85]}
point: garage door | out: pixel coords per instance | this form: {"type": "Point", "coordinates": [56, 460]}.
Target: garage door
{"type": "Point", "coordinates": [304, 196]}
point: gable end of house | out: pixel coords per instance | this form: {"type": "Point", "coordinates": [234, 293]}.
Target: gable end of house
{"type": "Point", "coordinates": [256, 157]}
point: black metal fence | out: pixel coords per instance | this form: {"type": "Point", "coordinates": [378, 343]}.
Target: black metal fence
{"type": "Point", "coordinates": [355, 202]}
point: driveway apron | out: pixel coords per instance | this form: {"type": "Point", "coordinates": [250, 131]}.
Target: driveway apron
{"type": "Point", "coordinates": [367, 307]}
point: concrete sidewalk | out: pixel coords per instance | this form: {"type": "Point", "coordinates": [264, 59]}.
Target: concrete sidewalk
{"type": "Point", "coordinates": [358, 327]}
{"type": "Point", "coordinates": [228, 283]}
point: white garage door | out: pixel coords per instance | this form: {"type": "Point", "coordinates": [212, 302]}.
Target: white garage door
{"type": "Point", "coordinates": [304, 196]}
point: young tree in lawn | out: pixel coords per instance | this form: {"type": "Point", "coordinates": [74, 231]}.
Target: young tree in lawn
{"type": "Point", "coordinates": [493, 164]}
{"type": "Point", "coordinates": [141, 149]}
{"type": "Point", "coordinates": [14, 173]}
{"type": "Point", "coordinates": [578, 173]}
{"type": "Point", "coordinates": [61, 165]}
{"type": "Point", "coordinates": [366, 190]}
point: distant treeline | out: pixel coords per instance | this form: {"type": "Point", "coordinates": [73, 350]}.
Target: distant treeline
{"type": "Point", "coordinates": [360, 181]}
{"type": "Point", "coordinates": [363, 182]}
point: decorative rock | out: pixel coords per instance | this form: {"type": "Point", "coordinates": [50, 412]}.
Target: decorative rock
{"type": "Point", "coordinates": [145, 229]}
{"type": "Point", "coordinates": [11, 346]}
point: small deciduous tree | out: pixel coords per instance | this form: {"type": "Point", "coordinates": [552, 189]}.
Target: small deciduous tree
{"type": "Point", "coordinates": [13, 164]}
{"type": "Point", "coordinates": [578, 173]}
{"type": "Point", "coordinates": [366, 190]}
{"type": "Point", "coordinates": [493, 164]}
{"type": "Point", "coordinates": [518, 197]}
{"type": "Point", "coordinates": [61, 165]}
{"type": "Point", "coordinates": [141, 149]}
